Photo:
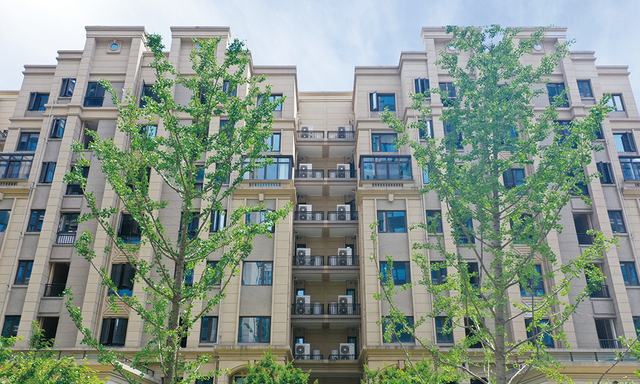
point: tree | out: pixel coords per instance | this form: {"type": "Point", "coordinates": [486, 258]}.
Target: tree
{"type": "Point", "coordinates": [269, 371]}
{"type": "Point", "coordinates": [40, 364]}
{"type": "Point", "coordinates": [502, 221]}
{"type": "Point", "coordinates": [193, 164]}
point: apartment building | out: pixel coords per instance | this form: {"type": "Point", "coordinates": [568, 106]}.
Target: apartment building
{"type": "Point", "coordinates": [306, 293]}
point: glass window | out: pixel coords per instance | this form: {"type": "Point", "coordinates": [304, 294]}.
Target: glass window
{"type": "Point", "coordinates": [625, 142]}
{"type": "Point", "coordinates": [616, 102]}
{"type": "Point", "coordinates": [215, 278]}
{"type": "Point", "coordinates": [630, 167]}
{"type": "Point", "coordinates": [629, 273]}
{"type": "Point", "coordinates": [462, 236]}
{"type": "Point", "coordinates": [606, 174]}
{"type": "Point", "coordinates": [24, 272]}
{"type": "Point", "coordinates": [68, 85]}
{"type": "Point", "coordinates": [75, 188]}
{"type": "Point", "coordinates": [450, 93]}
{"type": "Point", "coordinates": [425, 174]}
{"type": "Point", "coordinates": [258, 217]}
{"type": "Point", "coordinates": [28, 141]}
{"type": "Point", "coordinates": [68, 222]}
{"type": "Point", "coordinates": [557, 90]}
{"type": "Point", "coordinates": [400, 272]}
{"type": "Point", "coordinates": [535, 330]}
{"type": "Point", "coordinates": [425, 129]}
{"type": "Point", "coordinates": [192, 226]}
{"type": "Point", "coordinates": [381, 101]}
{"type": "Point", "coordinates": [229, 88]}
{"type": "Point", "coordinates": [392, 222]}
{"type": "Point", "coordinates": [148, 131]}
{"type": "Point", "coordinates": [394, 332]}
{"type": "Point", "coordinates": [533, 285]}
{"type": "Point", "coordinates": [35, 221]}
{"type": "Point", "coordinates": [434, 221]}
{"type": "Point", "coordinates": [48, 170]}
{"type": "Point", "coordinates": [279, 170]}
{"type": "Point", "coordinates": [257, 273]}
{"type": "Point", "coordinates": [452, 137]}
{"type": "Point", "coordinates": [584, 87]}
{"type": "Point", "coordinates": [254, 330]}
{"type": "Point", "coordinates": [208, 329]}
{"type": "Point", "coordinates": [513, 177]}
{"type": "Point", "coordinates": [383, 142]}
{"type": "Point", "coordinates": [617, 223]}
{"type": "Point", "coordinates": [273, 143]}
{"type": "Point", "coordinates": [218, 220]}
{"type": "Point", "coordinates": [474, 274]}
{"type": "Point", "coordinates": [385, 168]}
{"type": "Point", "coordinates": [57, 127]}
{"type": "Point", "coordinates": [421, 85]}
{"type": "Point", "coordinates": [129, 230]}
{"type": "Point", "coordinates": [147, 90]}
{"type": "Point", "coordinates": [95, 95]}
{"type": "Point", "coordinates": [4, 220]}
{"type": "Point", "coordinates": [272, 98]}
{"type": "Point", "coordinates": [114, 331]}
{"type": "Point", "coordinates": [636, 324]}
{"type": "Point", "coordinates": [11, 324]}
{"type": "Point", "coordinates": [123, 276]}
{"type": "Point", "coordinates": [37, 101]}
{"type": "Point", "coordinates": [438, 273]}
{"type": "Point", "coordinates": [15, 166]}
{"type": "Point", "coordinates": [444, 330]}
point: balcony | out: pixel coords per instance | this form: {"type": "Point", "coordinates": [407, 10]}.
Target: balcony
{"type": "Point", "coordinates": [66, 238]}
{"type": "Point", "coordinates": [54, 290]}
{"type": "Point", "coordinates": [311, 135]}
{"type": "Point", "coordinates": [610, 344]}
{"type": "Point", "coordinates": [334, 355]}
{"type": "Point", "coordinates": [333, 309]}
{"type": "Point", "coordinates": [309, 174]}
{"type": "Point", "coordinates": [333, 224]}
{"type": "Point", "coordinates": [585, 239]}
{"type": "Point", "coordinates": [601, 293]}
{"type": "Point", "coordinates": [333, 261]}
{"type": "Point", "coordinates": [308, 215]}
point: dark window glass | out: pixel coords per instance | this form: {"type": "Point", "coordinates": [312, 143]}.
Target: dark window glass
{"type": "Point", "coordinates": [630, 167]}
{"type": "Point", "coordinates": [257, 273]}
{"type": "Point", "coordinates": [4, 220]}
{"type": "Point", "coordinates": [208, 329]}
{"type": "Point", "coordinates": [192, 226]}
{"type": "Point", "coordinates": [434, 221]}
{"type": "Point", "coordinates": [636, 324]}
{"type": "Point", "coordinates": [229, 88]}
{"type": "Point", "coordinates": [452, 137]}
{"type": "Point", "coordinates": [215, 279]}
{"type": "Point", "coordinates": [76, 189]}
{"type": "Point", "coordinates": [606, 174]}
{"type": "Point", "coordinates": [450, 91]}
{"type": "Point", "coordinates": [629, 273]}
{"type": "Point", "coordinates": [425, 174]}
{"type": "Point", "coordinates": [563, 129]}
{"type": "Point", "coordinates": [385, 168]}
{"type": "Point", "coordinates": [258, 217]}
{"type": "Point", "coordinates": [533, 285]}
{"type": "Point", "coordinates": [24, 272]}
{"type": "Point", "coordinates": [584, 87]}
{"type": "Point", "coordinates": [462, 236]}
{"type": "Point", "coordinates": [272, 98]}
{"type": "Point", "coordinates": [583, 224]}
{"type": "Point", "coordinates": [254, 330]}
{"type": "Point", "coordinates": [147, 90]}
{"type": "Point", "coordinates": [396, 331]}
{"type": "Point", "coordinates": [556, 90]}
{"type": "Point", "coordinates": [28, 141]}
{"type": "Point", "coordinates": [615, 102]}
{"type": "Point", "coordinates": [87, 139]}
{"type": "Point", "coordinates": [37, 101]}
{"type": "Point", "coordinates": [513, 177]}
{"type": "Point", "coordinates": [48, 169]}
{"type": "Point", "coordinates": [57, 128]}
{"type": "Point", "coordinates": [114, 331]}
{"type": "Point", "coordinates": [474, 274]}
{"type": "Point", "coordinates": [624, 142]}
{"type": "Point", "coordinates": [617, 223]}
{"type": "Point", "coordinates": [279, 170]}
{"type": "Point", "coordinates": [438, 273]}
{"type": "Point", "coordinates": [400, 273]}
{"type": "Point", "coordinates": [49, 327]}
{"type": "Point", "coordinates": [123, 276]}
{"type": "Point", "coordinates": [421, 85]}
{"type": "Point", "coordinates": [444, 330]}
{"type": "Point", "coordinates": [15, 166]}
{"type": "Point", "coordinates": [425, 129]}
{"type": "Point", "coordinates": [534, 331]}
{"type": "Point", "coordinates": [149, 131]}
{"type": "Point", "coordinates": [94, 96]}
{"type": "Point", "coordinates": [129, 230]}
{"type": "Point", "coordinates": [383, 142]}
{"type": "Point", "coordinates": [381, 101]}
{"type": "Point", "coordinates": [68, 85]}
{"type": "Point", "coordinates": [392, 221]}
{"type": "Point", "coordinates": [11, 324]}
{"type": "Point", "coordinates": [218, 220]}
{"type": "Point", "coordinates": [35, 221]}
{"type": "Point", "coordinates": [68, 222]}
{"type": "Point", "coordinates": [273, 143]}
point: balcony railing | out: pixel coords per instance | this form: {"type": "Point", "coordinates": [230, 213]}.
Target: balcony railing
{"type": "Point", "coordinates": [312, 174]}
{"type": "Point", "coordinates": [310, 134]}
{"type": "Point", "coordinates": [610, 343]}
{"type": "Point", "coordinates": [339, 356]}
{"type": "Point", "coordinates": [308, 216]}
{"type": "Point", "coordinates": [342, 215]}
{"type": "Point", "coordinates": [341, 173]}
{"type": "Point", "coordinates": [316, 356]}
{"type": "Point", "coordinates": [334, 309]}
{"type": "Point", "coordinates": [343, 261]}
{"type": "Point", "coordinates": [308, 261]}
{"type": "Point", "coordinates": [585, 239]}
{"type": "Point", "coordinates": [341, 135]}
{"type": "Point", "coordinates": [602, 293]}
{"type": "Point", "coordinates": [66, 238]}
{"type": "Point", "coordinates": [307, 309]}
{"type": "Point", "coordinates": [54, 290]}
{"type": "Point", "coordinates": [343, 309]}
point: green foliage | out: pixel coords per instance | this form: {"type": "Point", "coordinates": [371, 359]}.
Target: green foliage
{"type": "Point", "coordinates": [40, 365]}
{"type": "Point", "coordinates": [493, 116]}
{"type": "Point", "coordinates": [419, 372]}
{"type": "Point", "coordinates": [268, 371]}
{"type": "Point", "coordinates": [176, 157]}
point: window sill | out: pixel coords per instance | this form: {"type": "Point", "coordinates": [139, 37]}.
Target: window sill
{"type": "Point", "coordinates": [207, 344]}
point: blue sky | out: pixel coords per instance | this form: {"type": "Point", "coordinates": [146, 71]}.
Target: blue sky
{"type": "Point", "coordinates": [325, 39]}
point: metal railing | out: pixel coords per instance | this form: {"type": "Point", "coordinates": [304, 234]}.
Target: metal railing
{"type": "Point", "coordinates": [54, 290]}
{"type": "Point", "coordinates": [343, 309]}
{"type": "Point", "coordinates": [341, 173]}
{"type": "Point", "coordinates": [308, 261]}
{"type": "Point", "coordinates": [307, 309]}
{"type": "Point", "coordinates": [610, 343]}
{"type": "Point", "coordinates": [340, 356]}
{"type": "Point", "coordinates": [343, 260]}
{"type": "Point", "coordinates": [342, 215]}
{"type": "Point", "coordinates": [310, 134]}
{"type": "Point", "coordinates": [66, 238]}
{"type": "Point", "coordinates": [308, 216]}
{"type": "Point", "coordinates": [310, 174]}
{"type": "Point", "coordinates": [308, 357]}
{"type": "Point", "coordinates": [602, 293]}
{"type": "Point", "coordinates": [585, 239]}
{"type": "Point", "coordinates": [341, 135]}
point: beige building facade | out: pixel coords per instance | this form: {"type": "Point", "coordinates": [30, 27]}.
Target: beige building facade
{"type": "Point", "coordinates": [309, 289]}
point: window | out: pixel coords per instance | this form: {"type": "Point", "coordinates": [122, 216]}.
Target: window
{"type": "Point", "coordinates": [272, 98]}
{"type": "Point", "coordinates": [57, 128]}
{"type": "Point", "coordinates": [206, 381]}
{"type": "Point", "coordinates": [513, 177]}
{"type": "Point", "coordinates": [625, 142]}
{"type": "Point", "coordinates": [563, 129]}
{"type": "Point", "coordinates": [383, 142]}
{"type": "Point", "coordinates": [444, 330]}
{"type": "Point", "coordinates": [630, 167]}
{"type": "Point", "coordinates": [192, 226]}
{"type": "Point", "coordinates": [208, 329]}
{"type": "Point", "coordinates": [11, 324]}
{"type": "Point", "coordinates": [522, 229]}
{"type": "Point", "coordinates": [557, 90]}
{"type": "Point", "coordinates": [453, 139]}
{"type": "Point", "coordinates": [434, 221]}
{"type": "Point", "coordinates": [114, 331]}
{"type": "Point", "coordinates": [395, 333]}
{"type": "Point", "coordinates": [583, 224]}
{"type": "Point", "coordinates": [149, 131]}
{"type": "Point", "coordinates": [425, 174]}
{"type": "Point", "coordinates": [123, 276]}
{"type": "Point", "coordinates": [254, 330]}
{"type": "Point", "coordinates": [68, 222]}
{"type": "Point", "coordinates": [474, 274]}
{"type": "Point", "coordinates": [584, 87]}
{"type": "Point", "coordinates": [68, 85]}
{"type": "Point", "coordinates": [76, 189]}
{"type": "Point", "coordinates": [606, 174]}
{"type": "Point", "coordinates": [470, 329]}
{"type": "Point", "coordinates": [229, 88]}
{"type": "Point", "coordinates": [35, 221]}
{"type": "Point", "coordinates": [95, 95]}
{"type": "Point", "coordinates": [425, 129]}
{"type": "Point", "coordinates": [28, 141]}
{"type": "Point", "coordinates": [421, 85]}
{"type": "Point", "coordinates": [615, 102]}
{"type": "Point", "coordinates": [532, 285]}
{"type": "Point", "coordinates": [535, 331]}
{"type": "Point", "coordinates": [257, 273]}
{"type": "Point", "coordinates": [392, 222]}
{"type": "Point", "coordinates": [4, 220]}
{"type": "Point", "coordinates": [218, 220]}
{"type": "Point", "coordinates": [606, 333]}
{"type": "Point", "coordinates": [87, 138]}
{"type": "Point", "coordinates": [49, 327]}
{"type": "Point", "coordinates": [378, 102]}
{"type": "Point", "coordinates": [15, 166]}
{"type": "Point", "coordinates": [450, 93]}
{"type": "Point", "coordinates": [400, 272]}
{"type": "Point", "coordinates": [37, 101]}
{"type": "Point", "coordinates": [129, 230]}
{"type": "Point", "coordinates": [24, 272]}
{"type": "Point", "coordinates": [147, 90]}
{"type": "Point", "coordinates": [385, 168]}
{"type": "Point", "coordinates": [258, 217]}
{"type": "Point", "coordinates": [215, 279]}
{"type": "Point", "coordinates": [279, 170]}
{"type": "Point", "coordinates": [273, 143]}
{"type": "Point", "coordinates": [636, 324]}
{"type": "Point", "coordinates": [438, 273]}
{"type": "Point", "coordinates": [629, 273]}
{"type": "Point", "coordinates": [617, 223]}
{"type": "Point", "coordinates": [462, 236]}
{"type": "Point", "coordinates": [188, 277]}
{"type": "Point", "coordinates": [48, 169]}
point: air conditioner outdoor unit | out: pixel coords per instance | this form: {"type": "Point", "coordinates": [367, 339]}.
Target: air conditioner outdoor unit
{"type": "Point", "coordinates": [342, 131]}
{"type": "Point", "coordinates": [305, 131]}
{"type": "Point", "coordinates": [347, 351]}
{"type": "Point", "coordinates": [343, 170]}
{"type": "Point", "coordinates": [344, 257]}
{"type": "Point", "coordinates": [303, 256]}
{"type": "Point", "coordinates": [304, 211]}
{"type": "Point", "coordinates": [345, 305]}
{"type": "Point", "coordinates": [344, 212]}
{"type": "Point", "coordinates": [303, 351]}
{"type": "Point", "coordinates": [304, 169]}
{"type": "Point", "coordinates": [303, 305]}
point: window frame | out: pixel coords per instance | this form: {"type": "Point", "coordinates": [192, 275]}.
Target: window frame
{"type": "Point", "coordinates": [264, 273]}
{"type": "Point", "coordinates": [73, 188]}
{"type": "Point", "coordinates": [606, 172]}
{"type": "Point", "coordinates": [376, 104]}
{"type": "Point", "coordinates": [66, 223]}
{"type": "Point", "coordinates": [11, 326]}
{"type": "Point", "coordinates": [434, 215]}
{"type": "Point", "coordinates": [15, 165]}
{"type": "Point", "coordinates": [630, 273]}
{"type": "Point", "coordinates": [450, 89]}
{"type": "Point", "coordinates": [535, 331]}
{"type": "Point", "coordinates": [4, 219]}
{"type": "Point", "coordinates": [57, 128]}
{"type": "Point", "coordinates": [28, 144]}
{"type": "Point", "coordinates": [384, 217]}
{"type": "Point", "coordinates": [625, 141]}
{"type": "Point", "coordinates": [94, 96]}
{"type": "Point", "coordinates": [271, 142]}
{"type": "Point", "coordinates": [47, 172]}
{"type": "Point", "coordinates": [282, 169]}
{"type": "Point", "coordinates": [67, 87]}
{"type": "Point", "coordinates": [463, 239]}
{"type": "Point", "coordinates": [218, 220]}
{"type": "Point", "coordinates": [441, 336]}
{"type": "Point", "coordinates": [147, 90]}
{"type": "Point", "coordinates": [584, 88]}
{"type": "Point", "coordinates": [209, 332]}
{"type": "Point", "coordinates": [23, 272]}
{"type": "Point", "coordinates": [616, 219]}
{"type": "Point", "coordinates": [114, 331]}
{"type": "Point", "coordinates": [272, 98]}
{"type": "Point", "coordinates": [377, 144]}
{"type": "Point", "coordinates": [122, 275]}
{"type": "Point", "coordinates": [397, 267]}
{"type": "Point", "coordinates": [392, 167]}
{"type": "Point", "coordinates": [37, 101]}
{"type": "Point", "coordinates": [513, 177]}
{"type": "Point", "coordinates": [558, 89]}
{"type": "Point", "coordinates": [404, 336]}
{"type": "Point", "coordinates": [616, 102]}
{"type": "Point", "coordinates": [36, 219]}
{"type": "Point", "coordinates": [428, 132]}
{"type": "Point", "coordinates": [438, 275]}
{"type": "Point", "coordinates": [135, 226]}
{"type": "Point", "coordinates": [535, 284]}
{"type": "Point", "coordinates": [250, 218]}
{"type": "Point", "coordinates": [421, 85]}
{"type": "Point", "coordinates": [263, 322]}
{"type": "Point", "coordinates": [217, 280]}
